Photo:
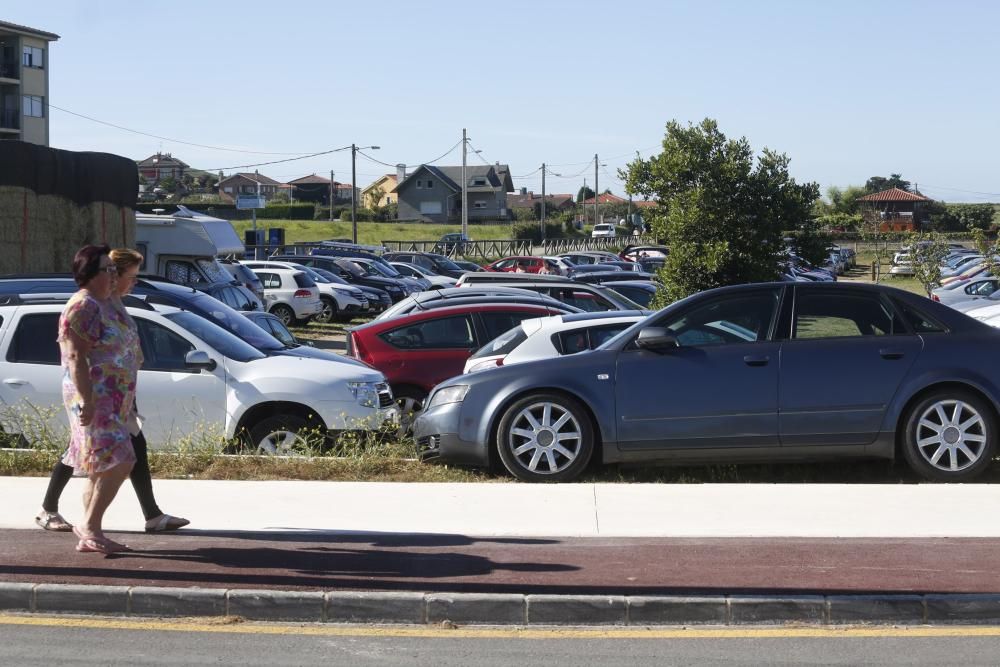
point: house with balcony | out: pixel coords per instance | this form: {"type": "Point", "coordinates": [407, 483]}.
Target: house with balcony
{"type": "Point", "coordinates": [246, 183]}
{"type": "Point", "coordinates": [897, 210]}
{"type": "Point", "coordinates": [434, 194]}
{"type": "Point", "coordinates": [161, 166]}
{"type": "Point", "coordinates": [24, 83]}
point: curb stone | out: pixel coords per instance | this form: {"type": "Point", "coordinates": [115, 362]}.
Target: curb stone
{"type": "Point", "coordinates": [417, 608]}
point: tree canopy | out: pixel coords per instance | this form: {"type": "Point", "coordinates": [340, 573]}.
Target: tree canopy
{"type": "Point", "coordinates": [722, 210]}
{"type": "Point", "coordinates": [880, 183]}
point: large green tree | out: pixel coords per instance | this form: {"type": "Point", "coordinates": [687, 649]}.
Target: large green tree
{"type": "Point", "coordinates": [721, 209]}
{"type": "Point", "coordinates": [880, 183]}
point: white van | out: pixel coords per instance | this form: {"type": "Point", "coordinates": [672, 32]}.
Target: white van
{"type": "Point", "coordinates": [183, 246]}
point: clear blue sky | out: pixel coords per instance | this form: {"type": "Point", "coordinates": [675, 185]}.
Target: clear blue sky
{"type": "Point", "coordinates": [848, 89]}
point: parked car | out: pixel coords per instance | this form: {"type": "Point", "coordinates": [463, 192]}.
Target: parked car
{"type": "Point", "coordinates": [244, 276]}
{"type": "Point", "coordinates": [428, 261]}
{"type": "Point", "coordinates": [340, 300]}
{"type": "Point", "coordinates": [636, 253]}
{"type": "Point", "coordinates": [730, 375]}
{"type": "Point", "coordinates": [378, 299]}
{"type": "Point", "coordinates": [290, 294]}
{"type": "Point", "coordinates": [380, 268]}
{"type": "Point", "coordinates": [467, 266]}
{"type": "Point", "coordinates": [414, 271]}
{"type": "Point", "coordinates": [455, 243]}
{"type": "Point", "coordinates": [636, 291]}
{"type": "Point", "coordinates": [273, 326]}
{"type": "Point", "coordinates": [235, 296]}
{"type": "Point", "coordinates": [603, 230]}
{"type": "Point", "coordinates": [454, 296]}
{"type": "Point", "coordinates": [581, 295]}
{"type": "Point", "coordinates": [546, 337]}
{"type": "Point", "coordinates": [975, 290]}
{"type": "Point", "coordinates": [559, 266]}
{"type": "Point", "coordinates": [160, 292]}
{"type": "Point", "coordinates": [615, 276]}
{"type": "Point", "coordinates": [519, 265]}
{"type": "Point", "coordinates": [196, 377]}
{"type": "Point", "coordinates": [352, 273]}
{"type": "Point", "coordinates": [590, 257]}
{"type": "Point", "coordinates": [419, 350]}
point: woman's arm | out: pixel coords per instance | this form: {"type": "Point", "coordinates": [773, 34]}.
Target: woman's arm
{"type": "Point", "coordinates": [78, 361]}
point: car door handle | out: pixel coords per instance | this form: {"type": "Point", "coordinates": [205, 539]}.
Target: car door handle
{"type": "Point", "coordinates": [14, 382]}
{"type": "Point", "coordinates": [751, 360]}
{"type": "Point", "coordinates": [888, 353]}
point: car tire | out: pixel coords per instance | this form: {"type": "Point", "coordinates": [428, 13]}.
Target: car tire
{"type": "Point", "coordinates": [280, 435]}
{"type": "Point", "coordinates": [950, 436]}
{"type": "Point", "coordinates": [545, 438]}
{"type": "Point", "coordinates": [285, 314]}
{"type": "Point", "coordinates": [409, 401]}
{"type": "Point", "coordinates": [329, 312]}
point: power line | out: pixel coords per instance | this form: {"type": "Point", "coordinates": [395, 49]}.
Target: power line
{"type": "Point", "coordinates": [370, 158]}
{"type": "Point", "coordinates": [971, 192]}
{"type": "Point", "coordinates": [173, 141]}
{"type": "Point", "coordinates": [291, 159]}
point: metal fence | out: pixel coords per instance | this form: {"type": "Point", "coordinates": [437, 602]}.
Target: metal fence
{"type": "Point", "coordinates": [557, 246]}
{"type": "Point", "coordinates": [481, 249]}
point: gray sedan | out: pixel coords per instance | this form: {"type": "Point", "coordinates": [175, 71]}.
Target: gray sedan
{"type": "Point", "coordinates": [752, 373]}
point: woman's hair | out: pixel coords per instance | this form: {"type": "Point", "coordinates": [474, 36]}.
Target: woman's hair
{"type": "Point", "coordinates": [125, 259]}
{"type": "Point", "coordinates": [87, 263]}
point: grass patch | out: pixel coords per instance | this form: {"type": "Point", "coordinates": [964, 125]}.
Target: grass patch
{"type": "Point", "coordinates": [371, 233]}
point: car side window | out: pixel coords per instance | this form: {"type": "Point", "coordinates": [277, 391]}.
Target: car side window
{"type": "Point", "coordinates": [269, 280]}
{"type": "Point", "coordinates": [583, 300]}
{"type": "Point", "coordinates": [497, 322]}
{"type": "Point", "coordinates": [919, 322]}
{"type": "Point", "coordinates": [444, 333]}
{"type": "Point", "coordinates": [833, 315]}
{"type": "Point", "coordinates": [424, 262]}
{"type": "Point", "coordinates": [162, 349]}
{"type": "Point", "coordinates": [506, 264]}
{"type": "Point", "coordinates": [34, 340]}
{"type": "Point", "coordinates": [740, 318]}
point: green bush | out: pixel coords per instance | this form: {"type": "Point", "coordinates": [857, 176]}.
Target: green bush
{"type": "Point", "coordinates": [288, 212]}
{"type": "Point", "coordinates": [530, 231]}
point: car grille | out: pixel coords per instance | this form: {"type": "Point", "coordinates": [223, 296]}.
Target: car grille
{"type": "Point", "coordinates": [429, 447]}
{"type": "Point", "coordinates": [384, 396]}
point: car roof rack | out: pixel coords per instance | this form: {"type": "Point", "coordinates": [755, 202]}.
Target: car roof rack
{"type": "Point", "coordinates": [44, 298]}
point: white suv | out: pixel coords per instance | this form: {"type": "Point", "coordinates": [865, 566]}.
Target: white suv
{"type": "Point", "coordinates": [603, 230]}
{"type": "Point", "coordinates": [197, 378]}
{"type": "Point", "coordinates": [337, 298]}
{"type": "Point", "coordinates": [290, 295]}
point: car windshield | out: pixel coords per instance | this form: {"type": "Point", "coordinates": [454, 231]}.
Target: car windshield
{"type": "Point", "coordinates": [625, 301]}
{"type": "Point", "coordinates": [234, 322]}
{"type": "Point", "coordinates": [379, 269]}
{"type": "Point", "coordinates": [445, 263]}
{"type": "Point", "coordinates": [282, 333]}
{"type": "Point", "coordinates": [214, 269]}
{"type": "Point", "coordinates": [218, 338]}
{"type": "Point", "coordinates": [352, 268]}
{"type": "Point", "coordinates": [315, 275]}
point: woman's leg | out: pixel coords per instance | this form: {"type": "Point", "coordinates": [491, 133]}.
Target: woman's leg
{"type": "Point", "coordinates": [101, 490]}
{"type": "Point", "coordinates": [141, 479]}
{"type": "Point", "coordinates": [61, 474]}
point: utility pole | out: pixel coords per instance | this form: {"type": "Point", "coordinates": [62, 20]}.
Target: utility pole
{"type": "Point", "coordinates": [354, 197]}
{"type": "Point", "coordinates": [543, 202]}
{"type": "Point", "coordinates": [582, 200]}
{"type": "Point", "coordinates": [597, 191]}
{"type": "Point", "coordinates": [331, 195]}
{"type": "Point", "coordinates": [465, 189]}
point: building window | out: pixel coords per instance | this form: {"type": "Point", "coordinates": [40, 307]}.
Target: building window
{"type": "Point", "coordinates": [430, 184]}
{"type": "Point", "coordinates": [227, 190]}
{"type": "Point", "coordinates": [420, 185]}
{"type": "Point", "coordinates": [33, 106]}
{"type": "Point", "coordinates": [478, 181]}
{"type": "Point", "coordinates": [33, 57]}
{"type": "Point", "coordinates": [479, 204]}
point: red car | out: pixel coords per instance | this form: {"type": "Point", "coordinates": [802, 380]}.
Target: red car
{"type": "Point", "coordinates": [518, 265]}
{"type": "Point", "coordinates": [417, 351]}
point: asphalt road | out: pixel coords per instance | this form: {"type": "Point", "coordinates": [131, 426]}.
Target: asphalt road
{"type": "Point", "coordinates": [54, 641]}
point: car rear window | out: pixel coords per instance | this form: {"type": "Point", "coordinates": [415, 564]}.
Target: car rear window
{"type": "Point", "coordinates": [502, 344]}
{"type": "Point", "coordinates": [302, 280]}
{"type": "Point", "coordinates": [919, 322]}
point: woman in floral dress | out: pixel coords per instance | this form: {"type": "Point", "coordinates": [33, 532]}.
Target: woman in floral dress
{"type": "Point", "coordinates": [101, 358]}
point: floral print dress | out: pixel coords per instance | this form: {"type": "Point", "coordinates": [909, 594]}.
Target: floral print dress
{"type": "Point", "coordinates": [115, 357]}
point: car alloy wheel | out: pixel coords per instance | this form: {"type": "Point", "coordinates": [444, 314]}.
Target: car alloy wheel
{"type": "Point", "coordinates": [280, 435]}
{"type": "Point", "coordinates": [409, 402]}
{"type": "Point", "coordinates": [545, 437]}
{"type": "Point", "coordinates": [329, 312]}
{"type": "Point", "coordinates": [285, 314]}
{"type": "Point", "coordinates": [950, 436]}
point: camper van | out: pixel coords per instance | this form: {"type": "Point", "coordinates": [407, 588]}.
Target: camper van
{"type": "Point", "coordinates": [183, 246]}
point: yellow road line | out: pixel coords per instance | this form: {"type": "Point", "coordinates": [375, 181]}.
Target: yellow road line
{"type": "Point", "coordinates": [224, 626]}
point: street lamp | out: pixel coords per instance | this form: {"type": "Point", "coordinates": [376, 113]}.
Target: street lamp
{"type": "Point", "coordinates": [354, 188]}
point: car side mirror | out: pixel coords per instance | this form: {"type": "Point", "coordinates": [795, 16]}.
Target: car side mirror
{"type": "Point", "coordinates": [199, 359]}
{"type": "Point", "coordinates": [656, 339]}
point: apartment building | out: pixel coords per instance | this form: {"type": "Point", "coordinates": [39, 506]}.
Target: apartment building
{"type": "Point", "coordinates": [24, 83]}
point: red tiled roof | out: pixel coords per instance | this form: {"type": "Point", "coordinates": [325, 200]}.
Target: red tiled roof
{"type": "Point", "coordinates": [893, 194]}
{"type": "Point", "coordinates": [606, 198]}
{"type": "Point", "coordinates": [312, 179]}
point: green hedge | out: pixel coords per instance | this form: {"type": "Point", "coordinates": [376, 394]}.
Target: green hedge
{"type": "Point", "coordinates": [531, 231]}
{"type": "Point", "coordinates": [288, 212]}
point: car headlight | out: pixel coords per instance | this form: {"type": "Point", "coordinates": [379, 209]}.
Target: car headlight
{"type": "Point", "coordinates": [453, 394]}
{"type": "Point", "coordinates": [365, 393]}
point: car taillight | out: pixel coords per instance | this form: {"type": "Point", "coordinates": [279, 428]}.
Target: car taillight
{"type": "Point", "coordinates": [500, 361]}
{"type": "Point", "coordinates": [302, 294]}
{"type": "Point", "coordinates": [935, 297]}
{"type": "Point", "coordinates": [356, 349]}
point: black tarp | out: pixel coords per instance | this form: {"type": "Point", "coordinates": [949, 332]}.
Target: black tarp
{"type": "Point", "coordinates": [80, 177]}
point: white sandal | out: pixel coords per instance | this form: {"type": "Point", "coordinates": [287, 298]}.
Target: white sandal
{"type": "Point", "coordinates": [165, 522]}
{"type": "Point", "coordinates": [53, 521]}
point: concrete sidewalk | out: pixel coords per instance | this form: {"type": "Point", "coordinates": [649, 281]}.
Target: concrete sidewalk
{"type": "Point", "coordinates": [521, 554]}
{"type": "Point", "coordinates": [566, 510]}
